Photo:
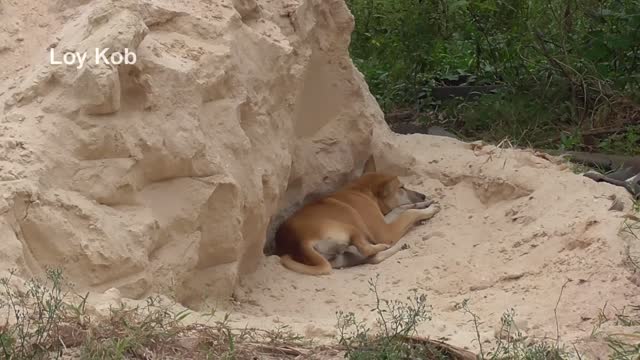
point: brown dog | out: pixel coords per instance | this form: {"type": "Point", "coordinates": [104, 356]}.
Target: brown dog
{"type": "Point", "coordinates": [361, 223]}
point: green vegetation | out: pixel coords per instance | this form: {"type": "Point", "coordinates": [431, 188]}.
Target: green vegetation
{"type": "Point", "coordinates": [42, 320]}
{"type": "Point", "coordinates": [397, 321]}
{"type": "Point", "coordinates": [568, 71]}
{"type": "Point", "coordinates": [513, 344]}
{"type": "Point", "coordinates": [45, 320]}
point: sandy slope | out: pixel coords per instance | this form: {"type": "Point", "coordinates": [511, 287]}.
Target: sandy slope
{"type": "Point", "coordinates": [513, 230]}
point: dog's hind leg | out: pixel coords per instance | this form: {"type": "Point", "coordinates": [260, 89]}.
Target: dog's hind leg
{"type": "Point", "coordinates": [352, 257]}
{"type": "Point", "coordinates": [364, 246]}
{"type": "Point", "coordinates": [385, 254]}
{"type": "Point", "coordinates": [359, 252]}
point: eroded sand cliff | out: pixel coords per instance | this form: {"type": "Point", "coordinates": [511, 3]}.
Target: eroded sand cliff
{"type": "Point", "coordinates": [164, 176]}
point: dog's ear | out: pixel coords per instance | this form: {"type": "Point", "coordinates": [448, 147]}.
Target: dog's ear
{"type": "Point", "coordinates": [370, 165]}
{"type": "Point", "coordinates": [385, 186]}
{"type": "Point", "coordinates": [390, 186]}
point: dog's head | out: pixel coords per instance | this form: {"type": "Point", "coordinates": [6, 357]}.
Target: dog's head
{"type": "Point", "coordinates": [388, 190]}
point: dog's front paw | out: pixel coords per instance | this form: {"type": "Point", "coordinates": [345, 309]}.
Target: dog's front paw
{"type": "Point", "coordinates": [434, 209]}
{"type": "Point", "coordinates": [419, 205]}
{"type": "Point", "coordinates": [429, 212]}
{"type": "Point", "coordinates": [423, 204]}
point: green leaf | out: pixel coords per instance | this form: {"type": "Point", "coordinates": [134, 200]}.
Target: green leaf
{"type": "Point", "coordinates": [457, 4]}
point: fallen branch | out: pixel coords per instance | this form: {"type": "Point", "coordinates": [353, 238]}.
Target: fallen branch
{"type": "Point", "coordinates": [451, 351]}
{"type": "Point", "coordinates": [401, 116]}
{"type": "Point", "coordinates": [281, 350]}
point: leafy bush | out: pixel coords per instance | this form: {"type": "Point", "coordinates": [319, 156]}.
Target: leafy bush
{"type": "Point", "coordinates": [564, 64]}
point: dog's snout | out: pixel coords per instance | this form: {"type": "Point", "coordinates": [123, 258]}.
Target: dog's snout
{"type": "Point", "coordinates": [415, 196]}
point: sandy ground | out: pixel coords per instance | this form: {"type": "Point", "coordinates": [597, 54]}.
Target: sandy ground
{"type": "Point", "coordinates": [514, 230]}
{"type": "Point", "coordinates": [25, 33]}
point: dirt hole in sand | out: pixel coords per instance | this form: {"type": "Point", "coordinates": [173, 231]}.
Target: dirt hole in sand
{"type": "Point", "coordinates": [491, 191]}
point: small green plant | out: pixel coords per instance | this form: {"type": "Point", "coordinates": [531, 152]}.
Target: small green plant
{"type": "Point", "coordinates": [517, 346]}
{"type": "Point", "coordinates": [569, 141]}
{"type": "Point", "coordinates": [601, 318]}
{"type": "Point", "coordinates": [395, 320]}
{"type": "Point", "coordinates": [626, 142]}
{"type": "Point", "coordinates": [512, 344]}
{"type": "Point", "coordinates": [631, 227]}
{"type": "Point", "coordinates": [626, 346]}
{"type": "Point", "coordinates": [134, 331]}
{"type": "Point", "coordinates": [623, 349]}
{"type": "Point", "coordinates": [33, 316]}
{"type": "Point", "coordinates": [578, 168]}
{"type": "Point", "coordinates": [624, 318]}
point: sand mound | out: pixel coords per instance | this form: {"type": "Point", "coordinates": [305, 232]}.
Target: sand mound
{"type": "Point", "coordinates": [168, 175]}
{"type": "Point", "coordinates": [513, 231]}
{"type": "Point", "coordinates": [163, 175]}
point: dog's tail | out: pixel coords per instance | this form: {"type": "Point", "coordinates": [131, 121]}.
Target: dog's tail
{"type": "Point", "coordinates": [318, 265]}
